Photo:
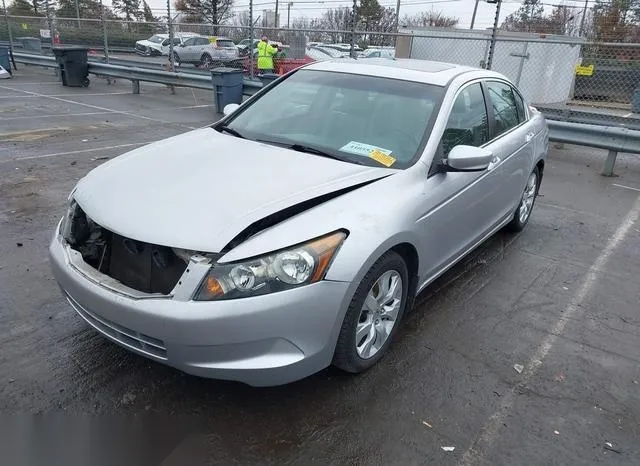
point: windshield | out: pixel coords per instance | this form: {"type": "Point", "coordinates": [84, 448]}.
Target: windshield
{"type": "Point", "coordinates": [360, 119]}
{"type": "Point", "coordinates": [156, 39]}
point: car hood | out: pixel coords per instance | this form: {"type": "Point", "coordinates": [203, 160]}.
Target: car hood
{"type": "Point", "coordinates": [148, 43]}
{"type": "Point", "coordinates": [199, 190]}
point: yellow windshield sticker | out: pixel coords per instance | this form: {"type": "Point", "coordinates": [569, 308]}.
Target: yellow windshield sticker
{"type": "Point", "coordinates": [381, 157]}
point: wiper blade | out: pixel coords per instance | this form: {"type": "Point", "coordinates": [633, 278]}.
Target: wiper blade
{"type": "Point", "coordinates": [314, 151]}
{"type": "Point", "coordinates": [231, 131]}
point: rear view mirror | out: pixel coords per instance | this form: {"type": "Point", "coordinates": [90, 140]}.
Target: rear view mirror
{"type": "Point", "coordinates": [229, 109]}
{"type": "Point", "coordinates": [468, 159]}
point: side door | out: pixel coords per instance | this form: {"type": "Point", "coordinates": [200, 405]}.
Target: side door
{"type": "Point", "coordinates": [458, 205]}
{"type": "Point", "coordinates": [512, 144]}
{"type": "Point", "coordinates": [203, 45]}
{"type": "Point", "coordinates": [185, 51]}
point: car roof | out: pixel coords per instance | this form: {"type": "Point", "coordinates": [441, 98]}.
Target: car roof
{"type": "Point", "coordinates": [430, 72]}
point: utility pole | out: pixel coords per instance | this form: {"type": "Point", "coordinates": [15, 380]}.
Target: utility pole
{"type": "Point", "coordinates": [473, 17]}
{"type": "Point", "coordinates": [584, 15]}
{"type": "Point", "coordinates": [289, 5]}
{"type": "Point", "coordinates": [397, 16]}
{"type": "Point", "coordinates": [492, 46]}
{"type": "Point", "coordinates": [276, 20]}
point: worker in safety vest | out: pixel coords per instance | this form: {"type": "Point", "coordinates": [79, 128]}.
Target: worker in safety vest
{"type": "Point", "coordinates": [266, 52]}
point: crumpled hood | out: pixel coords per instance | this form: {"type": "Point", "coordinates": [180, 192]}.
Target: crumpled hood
{"type": "Point", "coordinates": [148, 43]}
{"type": "Point", "coordinates": [200, 189]}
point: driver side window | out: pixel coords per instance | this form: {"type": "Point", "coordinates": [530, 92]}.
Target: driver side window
{"type": "Point", "coordinates": [467, 124]}
{"type": "Point", "coordinates": [188, 42]}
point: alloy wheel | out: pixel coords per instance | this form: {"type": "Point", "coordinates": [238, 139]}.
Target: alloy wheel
{"type": "Point", "coordinates": [379, 314]}
{"type": "Point", "coordinates": [528, 197]}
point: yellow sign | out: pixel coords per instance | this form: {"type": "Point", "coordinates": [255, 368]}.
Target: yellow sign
{"type": "Point", "coordinates": [212, 39]}
{"type": "Point", "coordinates": [381, 157]}
{"type": "Point", "coordinates": [584, 70]}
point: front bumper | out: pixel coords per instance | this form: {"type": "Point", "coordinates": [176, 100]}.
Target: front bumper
{"type": "Point", "coordinates": [262, 341]}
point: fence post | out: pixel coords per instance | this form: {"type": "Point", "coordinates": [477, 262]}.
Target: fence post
{"type": "Point", "coordinates": [105, 41]}
{"type": "Point", "coordinates": [494, 31]}
{"type": "Point", "coordinates": [6, 18]}
{"type": "Point", "coordinates": [610, 163]}
{"type": "Point", "coordinates": [353, 29]}
{"type": "Point", "coordinates": [251, 39]}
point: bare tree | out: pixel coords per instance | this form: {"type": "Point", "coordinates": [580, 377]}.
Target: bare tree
{"type": "Point", "coordinates": [430, 18]}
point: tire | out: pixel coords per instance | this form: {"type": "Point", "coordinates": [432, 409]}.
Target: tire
{"type": "Point", "coordinates": [86, 82]}
{"type": "Point", "coordinates": [176, 59]}
{"type": "Point", "coordinates": [206, 61]}
{"type": "Point", "coordinates": [529, 195]}
{"type": "Point", "coordinates": [351, 355]}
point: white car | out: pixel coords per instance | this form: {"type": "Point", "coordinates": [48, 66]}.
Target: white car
{"type": "Point", "coordinates": [205, 51]}
{"type": "Point", "coordinates": [377, 53]}
{"type": "Point", "coordinates": [158, 44]}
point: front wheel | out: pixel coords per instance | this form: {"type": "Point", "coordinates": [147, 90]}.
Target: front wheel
{"type": "Point", "coordinates": [373, 315]}
{"type": "Point", "coordinates": [528, 198]}
{"type": "Point", "coordinates": [176, 59]}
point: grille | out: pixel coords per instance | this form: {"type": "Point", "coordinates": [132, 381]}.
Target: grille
{"type": "Point", "coordinates": [127, 337]}
{"type": "Point", "coordinates": [144, 267]}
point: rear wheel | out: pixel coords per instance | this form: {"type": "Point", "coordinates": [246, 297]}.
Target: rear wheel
{"type": "Point", "coordinates": [523, 212]}
{"type": "Point", "coordinates": [206, 61]}
{"type": "Point", "coordinates": [373, 315]}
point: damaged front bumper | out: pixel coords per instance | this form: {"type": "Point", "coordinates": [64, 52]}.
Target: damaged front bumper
{"type": "Point", "coordinates": [266, 340]}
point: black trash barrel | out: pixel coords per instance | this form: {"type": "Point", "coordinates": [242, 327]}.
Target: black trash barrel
{"type": "Point", "coordinates": [268, 78]}
{"type": "Point", "coordinates": [4, 58]}
{"type": "Point", "coordinates": [227, 84]}
{"type": "Point", "coordinates": [74, 65]}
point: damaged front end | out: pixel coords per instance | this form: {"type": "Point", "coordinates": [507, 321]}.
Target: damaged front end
{"type": "Point", "coordinates": [144, 267]}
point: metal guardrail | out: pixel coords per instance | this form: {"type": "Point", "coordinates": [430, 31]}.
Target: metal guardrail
{"type": "Point", "coordinates": [611, 138]}
{"type": "Point", "coordinates": [135, 74]}
{"type": "Point", "coordinates": [586, 117]}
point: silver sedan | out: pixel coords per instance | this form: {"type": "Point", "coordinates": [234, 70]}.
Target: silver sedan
{"type": "Point", "coordinates": [296, 232]}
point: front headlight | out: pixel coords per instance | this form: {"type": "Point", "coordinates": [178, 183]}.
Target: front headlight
{"type": "Point", "coordinates": [292, 267]}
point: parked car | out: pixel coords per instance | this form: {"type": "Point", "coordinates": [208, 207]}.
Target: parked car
{"type": "Point", "coordinates": [321, 54]}
{"type": "Point", "coordinates": [296, 232]}
{"type": "Point", "coordinates": [334, 53]}
{"type": "Point", "coordinates": [205, 50]}
{"type": "Point", "coordinates": [377, 53]}
{"type": "Point", "coordinates": [345, 48]}
{"type": "Point", "coordinates": [158, 44]}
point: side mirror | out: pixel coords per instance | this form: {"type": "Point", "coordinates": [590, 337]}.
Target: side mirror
{"type": "Point", "coordinates": [229, 109]}
{"type": "Point", "coordinates": [468, 159]}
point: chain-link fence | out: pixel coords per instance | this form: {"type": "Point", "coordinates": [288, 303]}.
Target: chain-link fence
{"type": "Point", "coordinates": [552, 70]}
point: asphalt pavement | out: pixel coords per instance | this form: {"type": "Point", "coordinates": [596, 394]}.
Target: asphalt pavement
{"type": "Point", "coordinates": [525, 353]}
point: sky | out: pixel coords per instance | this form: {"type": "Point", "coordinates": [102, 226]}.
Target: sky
{"type": "Point", "coordinates": [461, 9]}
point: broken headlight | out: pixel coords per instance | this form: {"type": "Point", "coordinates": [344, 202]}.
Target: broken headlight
{"type": "Point", "coordinates": [289, 268]}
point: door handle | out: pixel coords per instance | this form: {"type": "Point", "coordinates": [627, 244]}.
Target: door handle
{"type": "Point", "coordinates": [529, 137]}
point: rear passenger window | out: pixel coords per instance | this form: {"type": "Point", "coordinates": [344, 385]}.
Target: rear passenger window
{"type": "Point", "coordinates": [503, 102]}
{"type": "Point", "coordinates": [468, 123]}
